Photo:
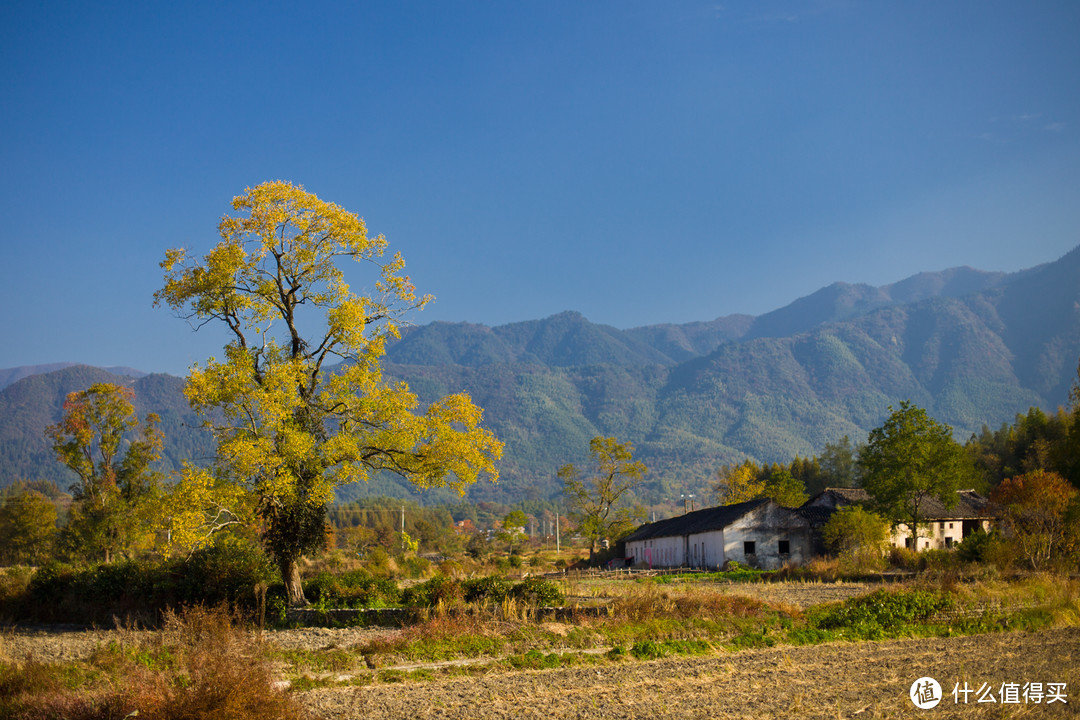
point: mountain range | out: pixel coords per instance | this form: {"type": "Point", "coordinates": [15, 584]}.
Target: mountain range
{"type": "Point", "coordinates": [974, 348]}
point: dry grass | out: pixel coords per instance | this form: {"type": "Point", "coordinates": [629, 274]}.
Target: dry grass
{"type": "Point", "coordinates": [201, 665]}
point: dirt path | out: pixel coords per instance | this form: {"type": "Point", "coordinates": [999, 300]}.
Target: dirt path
{"type": "Point", "coordinates": [867, 680]}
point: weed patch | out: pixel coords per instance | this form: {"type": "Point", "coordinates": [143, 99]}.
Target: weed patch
{"type": "Point", "coordinates": [199, 665]}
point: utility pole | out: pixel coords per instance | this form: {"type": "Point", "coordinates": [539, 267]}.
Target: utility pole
{"type": "Point", "coordinates": [402, 528]}
{"type": "Point", "coordinates": [558, 546]}
{"type": "Point", "coordinates": [686, 498]}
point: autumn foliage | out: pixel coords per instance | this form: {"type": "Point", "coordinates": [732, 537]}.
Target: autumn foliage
{"type": "Point", "coordinates": [1034, 510]}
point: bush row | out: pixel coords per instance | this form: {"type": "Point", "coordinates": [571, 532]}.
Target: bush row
{"type": "Point", "coordinates": [359, 589]}
{"type": "Point", "coordinates": [232, 574]}
{"type": "Point", "coordinates": [140, 590]}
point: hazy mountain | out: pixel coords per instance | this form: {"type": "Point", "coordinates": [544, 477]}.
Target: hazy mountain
{"type": "Point", "coordinates": [11, 375]}
{"type": "Point", "coordinates": [563, 340]}
{"type": "Point", "coordinates": [33, 403]}
{"type": "Point", "coordinates": [973, 348]}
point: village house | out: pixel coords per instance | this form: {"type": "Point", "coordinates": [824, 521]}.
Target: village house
{"type": "Point", "coordinates": [759, 533]}
{"type": "Point", "coordinates": [942, 527]}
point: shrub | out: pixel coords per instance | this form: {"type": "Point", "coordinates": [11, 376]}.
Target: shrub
{"type": "Point", "coordinates": [416, 567]}
{"type": "Point", "coordinates": [883, 611]}
{"type": "Point", "coordinates": [491, 589]}
{"type": "Point", "coordinates": [356, 588]}
{"type": "Point", "coordinates": [905, 559]}
{"type": "Point", "coordinates": [225, 572]}
{"type": "Point", "coordinates": [986, 548]}
{"type": "Point", "coordinates": [537, 591]}
{"type": "Point", "coordinates": [429, 594]}
{"type": "Point", "coordinates": [377, 562]}
{"type": "Point", "coordinates": [858, 537]}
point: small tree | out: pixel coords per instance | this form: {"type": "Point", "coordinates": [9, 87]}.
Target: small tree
{"type": "Point", "coordinates": [96, 440]}
{"type": "Point", "coordinates": [839, 463]}
{"type": "Point", "coordinates": [512, 526]}
{"type": "Point", "coordinates": [27, 527]}
{"type": "Point", "coordinates": [739, 483]}
{"type": "Point", "coordinates": [289, 427]}
{"type": "Point", "coordinates": [1033, 509]}
{"type": "Point", "coordinates": [910, 460]}
{"type": "Point", "coordinates": [748, 481]}
{"type": "Point", "coordinates": [857, 536]}
{"type": "Point", "coordinates": [594, 500]}
{"type": "Point", "coordinates": [784, 489]}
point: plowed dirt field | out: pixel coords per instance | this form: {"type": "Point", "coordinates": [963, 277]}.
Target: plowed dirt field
{"type": "Point", "coordinates": [837, 680]}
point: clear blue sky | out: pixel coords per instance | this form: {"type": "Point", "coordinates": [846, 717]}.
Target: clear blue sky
{"type": "Point", "coordinates": [640, 162]}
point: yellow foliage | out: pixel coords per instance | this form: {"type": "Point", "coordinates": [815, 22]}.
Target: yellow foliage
{"type": "Point", "coordinates": [289, 429]}
{"type": "Point", "coordinates": [740, 484]}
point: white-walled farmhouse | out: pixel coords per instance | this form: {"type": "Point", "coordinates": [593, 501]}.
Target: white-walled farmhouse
{"type": "Point", "coordinates": [759, 533]}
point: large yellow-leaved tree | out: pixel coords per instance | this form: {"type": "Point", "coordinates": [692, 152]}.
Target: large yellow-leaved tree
{"type": "Point", "coordinates": [298, 404]}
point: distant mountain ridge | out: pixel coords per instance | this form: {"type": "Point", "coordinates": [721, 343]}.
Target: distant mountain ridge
{"type": "Point", "coordinates": [972, 347]}
{"type": "Point", "coordinates": [12, 375]}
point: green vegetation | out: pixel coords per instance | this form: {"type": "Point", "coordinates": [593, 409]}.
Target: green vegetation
{"type": "Point", "coordinates": [910, 461]}
{"type": "Point", "coordinates": [689, 397]}
{"type": "Point", "coordinates": [858, 537]}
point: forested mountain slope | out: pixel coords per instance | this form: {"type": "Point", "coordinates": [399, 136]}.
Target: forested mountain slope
{"type": "Point", "coordinates": [973, 348]}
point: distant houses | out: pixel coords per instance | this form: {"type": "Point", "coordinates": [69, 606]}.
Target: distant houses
{"type": "Point", "coordinates": [762, 534]}
{"type": "Point", "coordinates": [944, 527]}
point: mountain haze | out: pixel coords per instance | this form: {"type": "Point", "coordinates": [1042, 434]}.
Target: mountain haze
{"type": "Point", "coordinates": [971, 347]}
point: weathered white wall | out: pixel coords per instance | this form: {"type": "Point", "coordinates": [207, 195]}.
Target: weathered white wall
{"type": "Point", "coordinates": [707, 549]}
{"type": "Point", "coordinates": [935, 535]}
{"type": "Point", "coordinates": [658, 552]}
{"type": "Point", "coordinates": [766, 527]}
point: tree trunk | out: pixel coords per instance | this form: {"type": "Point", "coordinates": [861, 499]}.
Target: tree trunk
{"type": "Point", "coordinates": [290, 575]}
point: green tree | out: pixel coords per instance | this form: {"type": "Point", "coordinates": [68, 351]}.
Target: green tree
{"type": "Point", "coordinates": [910, 460]}
{"type": "Point", "coordinates": [97, 439]}
{"type": "Point", "coordinates": [1071, 454]}
{"type": "Point", "coordinates": [595, 500]}
{"type": "Point", "coordinates": [857, 536]}
{"type": "Point", "coordinates": [511, 528]}
{"type": "Point", "coordinates": [289, 428]}
{"type": "Point", "coordinates": [784, 489]}
{"type": "Point", "coordinates": [839, 463]}
{"type": "Point", "coordinates": [27, 527]}
{"type": "Point", "coordinates": [749, 481]}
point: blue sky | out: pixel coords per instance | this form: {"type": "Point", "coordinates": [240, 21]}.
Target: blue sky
{"type": "Point", "coordinates": [640, 162]}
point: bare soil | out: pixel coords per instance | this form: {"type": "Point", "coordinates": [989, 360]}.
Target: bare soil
{"type": "Point", "coordinates": [837, 680]}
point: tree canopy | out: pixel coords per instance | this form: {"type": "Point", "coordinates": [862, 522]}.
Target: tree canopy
{"type": "Point", "coordinates": [289, 427]}
{"type": "Point", "coordinates": [113, 498]}
{"type": "Point", "coordinates": [749, 481]}
{"type": "Point", "coordinates": [911, 459]}
{"type": "Point", "coordinates": [1034, 511]}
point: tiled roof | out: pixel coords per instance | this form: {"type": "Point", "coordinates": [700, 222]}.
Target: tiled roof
{"type": "Point", "coordinates": [714, 518]}
{"type": "Point", "coordinates": [970, 504]}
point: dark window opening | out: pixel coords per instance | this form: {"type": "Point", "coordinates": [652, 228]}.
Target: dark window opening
{"type": "Point", "coordinates": [948, 542]}
{"type": "Point", "coordinates": [785, 547]}
{"type": "Point", "coordinates": [907, 542]}
{"type": "Point", "coordinates": [749, 547]}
